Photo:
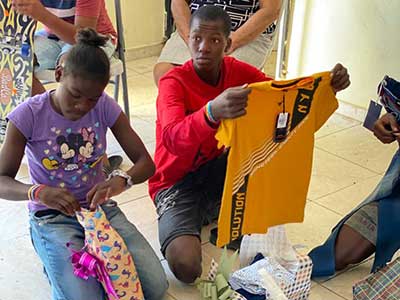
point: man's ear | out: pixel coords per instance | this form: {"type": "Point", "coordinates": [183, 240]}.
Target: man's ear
{"type": "Point", "coordinates": [228, 44]}
{"type": "Point", "coordinates": [59, 72]}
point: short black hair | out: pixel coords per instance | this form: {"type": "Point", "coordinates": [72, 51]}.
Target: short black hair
{"type": "Point", "coordinates": [86, 58]}
{"type": "Point", "coordinates": [213, 13]}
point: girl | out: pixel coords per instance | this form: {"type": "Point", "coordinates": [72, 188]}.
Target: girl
{"type": "Point", "coordinates": [63, 134]}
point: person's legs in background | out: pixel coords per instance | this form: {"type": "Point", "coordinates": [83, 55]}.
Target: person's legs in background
{"type": "Point", "coordinates": [357, 238]}
{"type": "Point", "coordinates": [174, 53]}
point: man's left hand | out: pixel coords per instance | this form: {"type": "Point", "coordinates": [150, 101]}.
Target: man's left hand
{"type": "Point", "coordinates": [31, 8]}
{"type": "Point", "coordinates": [340, 78]}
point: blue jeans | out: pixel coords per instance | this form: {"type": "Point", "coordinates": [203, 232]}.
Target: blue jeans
{"type": "Point", "coordinates": [48, 50]}
{"type": "Point", "coordinates": [50, 233]}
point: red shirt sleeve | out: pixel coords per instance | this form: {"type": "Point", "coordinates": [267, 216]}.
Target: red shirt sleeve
{"type": "Point", "coordinates": [88, 8]}
{"type": "Point", "coordinates": [181, 134]}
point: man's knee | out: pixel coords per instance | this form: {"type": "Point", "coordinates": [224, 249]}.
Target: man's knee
{"type": "Point", "coordinates": [160, 69]}
{"type": "Point", "coordinates": [184, 258]}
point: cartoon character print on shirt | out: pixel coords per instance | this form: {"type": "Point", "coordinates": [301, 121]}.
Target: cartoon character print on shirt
{"type": "Point", "coordinates": [73, 153]}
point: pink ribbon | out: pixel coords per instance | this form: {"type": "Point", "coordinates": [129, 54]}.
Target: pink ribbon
{"type": "Point", "coordinates": [86, 265]}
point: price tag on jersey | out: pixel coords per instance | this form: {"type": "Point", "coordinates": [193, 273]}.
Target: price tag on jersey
{"type": "Point", "coordinates": [373, 114]}
{"type": "Point", "coordinates": [281, 128]}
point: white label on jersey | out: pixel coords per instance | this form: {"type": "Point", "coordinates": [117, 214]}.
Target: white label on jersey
{"type": "Point", "coordinates": [283, 120]}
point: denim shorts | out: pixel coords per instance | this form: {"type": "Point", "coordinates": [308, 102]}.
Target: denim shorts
{"type": "Point", "coordinates": [191, 203]}
{"type": "Point", "coordinates": [49, 49]}
{"type": "Point", "coordinates": [51, 230]}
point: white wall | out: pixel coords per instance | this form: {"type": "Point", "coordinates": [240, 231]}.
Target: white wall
{"type": "Point", "coordinates": [143, 21]}
{"type": "Point", "coordinates": [361, 34]}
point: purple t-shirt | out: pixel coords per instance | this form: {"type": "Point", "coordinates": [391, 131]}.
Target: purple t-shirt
{"type": "Point", "coordinates": [64, 153]}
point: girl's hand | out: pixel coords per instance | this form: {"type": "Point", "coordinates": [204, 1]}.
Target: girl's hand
{"type": "Point", "coordinates": [102, 192]}
{"type": "Point", "coordinates": [59, 199]}
{"type": "Point", "coordinates": [340, 78]}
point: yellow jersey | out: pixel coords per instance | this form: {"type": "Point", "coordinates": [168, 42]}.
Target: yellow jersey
{"type": "Point", "coordinates": [267, 181]}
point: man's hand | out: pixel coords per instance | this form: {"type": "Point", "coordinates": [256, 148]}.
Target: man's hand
{"type": "Point", "coordinates": [102, 192]}
{"type": "Point", "coordinates": [59, 199]}
{"type": "Point", "coordinates": [340, 79]}
{"type": "Point", "coordinates": [386, 129]}
{"type": "Point", "coordinates": [31, 8]}
{"type": "Point", "coordinates": [231, 103]}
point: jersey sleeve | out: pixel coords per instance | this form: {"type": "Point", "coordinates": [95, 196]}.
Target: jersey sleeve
{"type": "Point", "coordinates": [326, 104]}
{"type": "Point", "coordinates": [88, 8]}
{"type": "Point", "coordinates": [224, 134]}
{"type": "Point", "coordinates": [22, 117]}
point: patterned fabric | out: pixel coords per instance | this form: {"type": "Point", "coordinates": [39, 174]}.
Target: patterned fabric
{"type": "Point", "coordinates": [250, 280]}
{"type": "Point", "coordinates": [382, 285]}
{"type": "Point", "coordinates": [103, 242]}
{"type": "Point", "coordinates": [239, 10]}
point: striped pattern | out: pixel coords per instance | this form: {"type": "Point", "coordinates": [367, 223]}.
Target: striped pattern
{"type": "Point", "coordinates": [259, 157]}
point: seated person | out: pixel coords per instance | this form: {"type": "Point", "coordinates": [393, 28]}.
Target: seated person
{"type": "Point", "coordinates": [373, 226]}
{"type": "Point", "coordinates": [253, 28]}
{"type": "Point", "coordinates": [63, 132]}
{"type": "Point", "coordinates": [190, 169]}
{"type": "Point", "coordinates": [62, 20]}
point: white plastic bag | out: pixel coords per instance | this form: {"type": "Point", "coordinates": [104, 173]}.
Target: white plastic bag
{"type": "Point", "coordinates": [274, 244]}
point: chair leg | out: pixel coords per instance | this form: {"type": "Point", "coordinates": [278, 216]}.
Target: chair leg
{"type": "Point", "coordinates": [125, 93]}
{"type": "Point", "coordinates": [116, 87]}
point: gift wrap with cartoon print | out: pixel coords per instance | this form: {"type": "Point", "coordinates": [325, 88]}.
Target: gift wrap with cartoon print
{"type": "Point", "coordinates": [104, 243]}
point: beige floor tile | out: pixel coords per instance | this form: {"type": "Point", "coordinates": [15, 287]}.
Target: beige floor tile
{"type": "Point", "coordinates": [177, 289]}
{"type": "Point", "coordinates": [335, 124]}
{"type": "Point", "coordinates": [169, 297]}
{"type": "Point", "coordinates": [331, 173]}
{"type": "Point", "coordinates": [359, 145]}
{"type": "Point", "coordinates": [144, 129]}
{"type": "Point", "coordinates": [21, 272]}
{"type": "Point", "coordinates": [142, 214]}
{"type": "Point", "coordinates": [321, 293]}
{"type": "Point", "coordinates": [141, 89]}
{"type": "Point", "coordinates": [145, 112]}
{"type": "Point", "coordinates": [14, 220]}
{"type": "Point", "coordinates": [136, 192]}
{"type": "Point", "coordinates": [23, 171]}
{"type": "Point", "coordinates": [317, 225]}
{"type": "Point", "coordinates": [144, 65]}
{"type": "Point", "coordinates": [345, 200]}
{"type": "Point", "coordinates": [343, 283]}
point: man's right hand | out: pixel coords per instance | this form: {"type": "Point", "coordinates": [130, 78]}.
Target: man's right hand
{"type": "Point", "coordinates": [386, 129]}
{"type": "Point", "coordinates": [231, 103]}
{"type": "Point", "coordinates": [59, 199]}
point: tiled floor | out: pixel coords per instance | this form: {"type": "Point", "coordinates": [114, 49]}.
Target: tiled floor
{"type": "Point", "coordinates": [348, 162]}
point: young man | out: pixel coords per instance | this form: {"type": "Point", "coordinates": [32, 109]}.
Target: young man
{"type": "Point", "coordinates": [188, 183]}
{"type": "Point", "coordinates": [62, 20]}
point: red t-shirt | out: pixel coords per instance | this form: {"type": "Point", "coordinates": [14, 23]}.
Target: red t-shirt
{"type": "Point", "coordinates": [184, 140]}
